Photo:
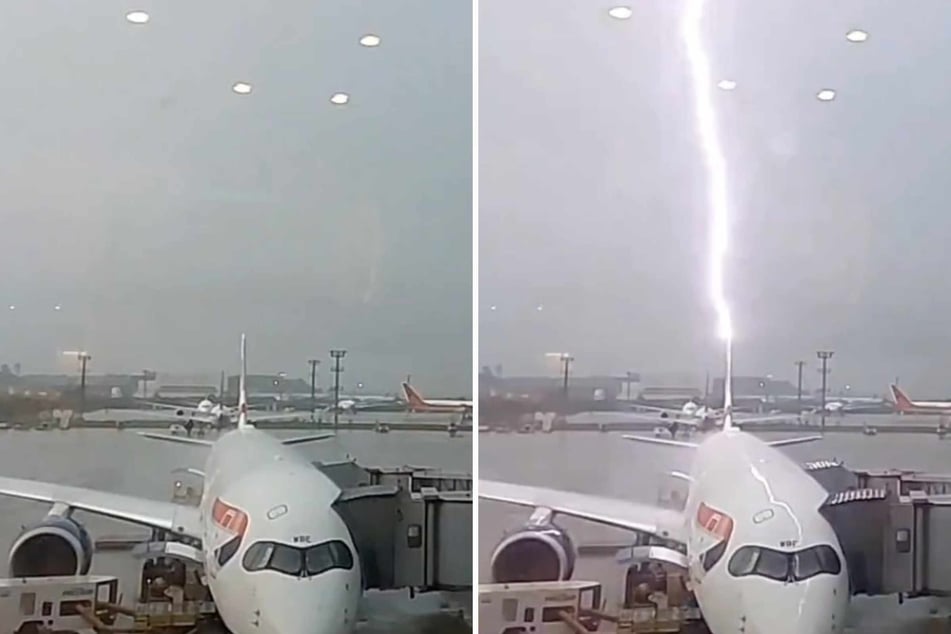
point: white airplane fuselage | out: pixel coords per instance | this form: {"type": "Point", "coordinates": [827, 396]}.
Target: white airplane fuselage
{"type": "Point", "coordinates": [259, 491]}
{"type": "Point", "coordinates": [752, 496]}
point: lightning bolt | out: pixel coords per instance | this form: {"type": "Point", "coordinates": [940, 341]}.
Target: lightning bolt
{"type": "Point", "coordinates": [699, 62]}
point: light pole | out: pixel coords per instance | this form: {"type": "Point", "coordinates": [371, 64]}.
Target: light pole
{"type": "Point", "coordinates": [799, 364]}
{"type": "Point", "coordinates": [824, 356]}
{"type": "Point", "coordinates": [84, 358]}
{"type": "Point", "coordinates": [566, 360]}
{"type": "Point", "coordinates": [337, 355]}
{"type": "Point", "coordinates": [313, 386]}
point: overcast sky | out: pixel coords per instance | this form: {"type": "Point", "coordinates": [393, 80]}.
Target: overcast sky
{"type": "Point", "coordinates": [165, 214]}
{"type": "Point", "coordinates": [593, 192]}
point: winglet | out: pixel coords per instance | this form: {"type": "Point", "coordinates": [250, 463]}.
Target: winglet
{"type": "Point", "coordinates": [243, 386]}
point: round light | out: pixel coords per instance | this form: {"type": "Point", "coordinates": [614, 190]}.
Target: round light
{"type": "Point", "coordinates": [369, 40]}
{"type": "Point", "coordinates": [726, 84]}
{"type": "Point", "coordinates": [12, 307]}
{"type": "Point", "coordinates": [621, 13]}
{"type": "Point", "coordinates": [539, 307]}
{"type": "Point", "coordinates": [493, 307]}
{"type": "Point", "coordinates": [340, 99]}
{"type": "Point", "coordinates": [57, 307]}
{"type": "Point", "coordinates": [242, 88]}
{"type": "Point", "coordinates": [137, 17]}
{"type": "Point", "coordinates": [826, 94]}
{"type": "Point", "coordinates": [856, 35]}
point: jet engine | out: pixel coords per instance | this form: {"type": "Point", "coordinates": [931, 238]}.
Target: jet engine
{"type": "Point", "coordinates": [540, 551]}
{"type": "Point", "coordinates": [57, 546]}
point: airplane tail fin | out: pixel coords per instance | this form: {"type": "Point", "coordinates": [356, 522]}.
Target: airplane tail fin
{"type": "Point", "coordinates": [728, 387]}
{"type": "Point", "coordinates": [902, 402]}
{"type": "Point", "coordinates": [412, 396]}
{"type": "Point", "coordinates": [243, 386]}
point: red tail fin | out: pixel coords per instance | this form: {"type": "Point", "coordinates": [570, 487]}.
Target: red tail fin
{"type": "Point", "coordinates": [902, 402]}
{"type": "Point", "coordinates": [413, 397]}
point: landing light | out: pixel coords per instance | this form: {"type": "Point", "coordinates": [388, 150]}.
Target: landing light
{"type": "Point", "coordinates": [369, 40]}
{"type": "Point", "coordinates": [826, 94]}
{"type": "Point", "coordinates": [726, 84]}
{"type": "Point", "coordinates": [340, 99]}
{"type": "Point", "coordinates": [137, 17]}
{"type": "Point", "coordinates": [856, 35]}
{"type": "Point", "coordinates": [621, 13]}
{"type": "Point", "coordinates": [242, 88]}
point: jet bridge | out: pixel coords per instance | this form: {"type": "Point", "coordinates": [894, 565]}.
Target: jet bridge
{"type": "Point", "coordinates": [412, 526]}
{"type": "Point", "coordinates": [893, 527]}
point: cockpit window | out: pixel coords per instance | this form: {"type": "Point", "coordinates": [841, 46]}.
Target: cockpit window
{"type": "Point", "coordinates": [305, 561]}
{"type": "Point", "coordinates": [784, 566]}
{"type": "Point", "coordinates": [710, 558]}
{"type": "Point", "coordinates": [327, 556]}
{"type": "Point", "coordinates": [228, 550]}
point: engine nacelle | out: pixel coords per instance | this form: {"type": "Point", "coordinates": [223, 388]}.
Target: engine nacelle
{"type": "Point", "coordinates": [57, 546]}
{"type": "Point", "coordinates": [537, 552]}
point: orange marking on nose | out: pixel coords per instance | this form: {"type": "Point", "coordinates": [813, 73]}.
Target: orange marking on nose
{"type": "Point", "coordinates": [230, 518]}
{"type": "Point", "coordinates": [715, 522]}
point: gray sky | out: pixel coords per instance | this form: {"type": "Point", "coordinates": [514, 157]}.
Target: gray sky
{"type": "Point", "coordinates": [165, 214]}
{"type": "Point", "coordinates": [593, 193]}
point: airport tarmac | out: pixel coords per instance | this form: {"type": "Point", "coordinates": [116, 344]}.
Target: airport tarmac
{"type": "Point", "coordinates": [123, 462]}
{"type": "Point", "coordinates": [605, 464]}
{"type": "Point", "coordinates": [157, 419]}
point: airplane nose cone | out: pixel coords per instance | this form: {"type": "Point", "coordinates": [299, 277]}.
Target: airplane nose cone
{"type": "Point", "coordinates": [324, 605]}
{"type": "Point", "coordinates": [816, 607]}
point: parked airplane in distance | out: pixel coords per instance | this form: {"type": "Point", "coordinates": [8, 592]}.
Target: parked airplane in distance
{"type": "Point", "coordinates": [904, 404]}
{"type": "Point", "coordinates": [416, 403]}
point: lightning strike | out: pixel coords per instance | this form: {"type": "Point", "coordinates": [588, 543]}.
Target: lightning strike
{"type": "Point", "coordinates": [699, 62]}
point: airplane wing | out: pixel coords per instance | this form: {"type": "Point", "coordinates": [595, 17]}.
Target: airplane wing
{"type": "Point", "coordinates": [174, 417]}
{"type": "Point", "coordinates": [657, 420]}
{"type": "Point", "coordinates": [663, 441]}
{"type": "Point", "coordinates": [665, 523]}
{"type": "Point", "coordinates": [183, 440]}
{"type": "Point", "coordinates": [176, 518]}
{"type": "Point", "coordinates": [773, 418]}
{"type": "Point", "coordinates": [660, 410]}
{"type": "Point", "coordinates": [690, 445]}
{"type": "Point", "coordinates": [168, 406]}
{"type": "Point", "coordinates": [793, 441]}
{"type": "Point", "coordinates": [299, 440]}
{"type": "Point", "coordinates": [278, 417]}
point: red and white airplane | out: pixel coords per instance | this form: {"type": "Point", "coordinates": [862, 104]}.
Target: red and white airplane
{"type": "Point", "coordinates": [278, 557]}
{"type": "Point", "coordinates": [416, 403]}
{"type": "Point", "coordinates": [760, 557]}
{"type": "Point", "coordinates": [904, 405]}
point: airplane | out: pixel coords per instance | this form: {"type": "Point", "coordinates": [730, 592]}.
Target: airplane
{"type": "Point", "coordinates": [416, 403]}
{"type": "Point", "coordinates": [904, 405]}
{"type": "Point", "coordinates": [701, 417]}
{"type": "Point", "coordinates": [760, 556]}
{"type": "Point", "coordinates": [853, 405]}
{"type": "Point", "coordinates": [278, 557]}
{"type": "Point", "coordinates": [217, 415]}
{"type": "Point", "coordinates": [354, 404]}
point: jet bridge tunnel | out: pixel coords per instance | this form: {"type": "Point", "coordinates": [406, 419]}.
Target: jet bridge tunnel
{"type": "Point", "coordinates": [412, 526]}
{"type": "Point", "coordinates": [893, 527]}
